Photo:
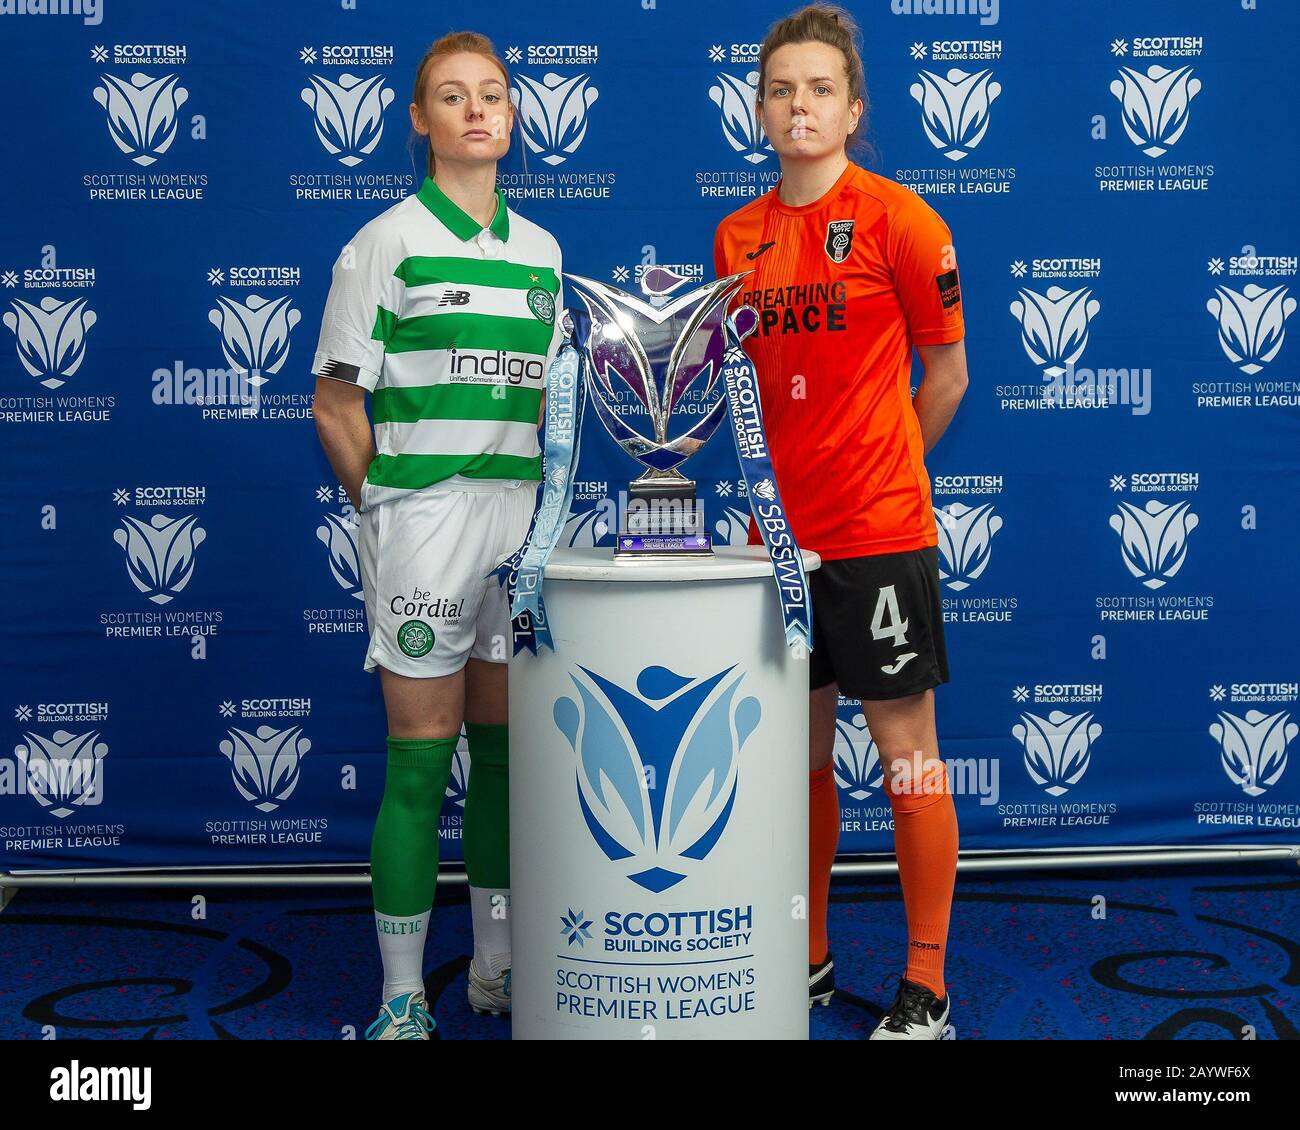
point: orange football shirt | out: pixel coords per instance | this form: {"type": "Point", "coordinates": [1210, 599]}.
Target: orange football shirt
{"type": "Point", "coordinates": [844, 287]}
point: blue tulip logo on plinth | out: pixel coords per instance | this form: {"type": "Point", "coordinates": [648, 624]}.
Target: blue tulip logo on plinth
{"type": "Point", "coordinates": [586, 529]}
{"type": "Point", "coordinates": [733, 527]}
{"type": "Point", "coordinates": [657, 768]}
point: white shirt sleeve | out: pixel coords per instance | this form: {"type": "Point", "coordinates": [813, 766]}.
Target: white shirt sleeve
{"type": "Point", "coordinates": [363, 300]}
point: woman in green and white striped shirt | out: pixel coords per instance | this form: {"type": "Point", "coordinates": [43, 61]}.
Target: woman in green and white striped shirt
{"type": "Point", "coordinates": [445, 308]}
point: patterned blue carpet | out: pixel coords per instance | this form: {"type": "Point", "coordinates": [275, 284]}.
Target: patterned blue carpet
{"type": "Point", "coordinates": [1180, 953]}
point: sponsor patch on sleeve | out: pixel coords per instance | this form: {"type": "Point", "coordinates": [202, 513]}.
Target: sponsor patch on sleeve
{"type": "Point", "coordinates": [949, 289]}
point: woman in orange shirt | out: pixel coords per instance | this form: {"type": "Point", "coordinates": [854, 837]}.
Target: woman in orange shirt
{"type": "Point", "coordinates": [850, 271]}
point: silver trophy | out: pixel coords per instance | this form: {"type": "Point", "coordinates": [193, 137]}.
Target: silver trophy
{"type": "Point", "coordinates": [659, 353]}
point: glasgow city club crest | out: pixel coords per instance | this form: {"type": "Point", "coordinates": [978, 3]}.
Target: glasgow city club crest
{"type": "Point", "coordinates": [657, 767]}
{"type": "Point", "coordinates": [839, 240]}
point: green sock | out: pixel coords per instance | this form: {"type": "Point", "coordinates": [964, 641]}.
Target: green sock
{"type": "Point", "coordinates": [486, 834]}
{"type": "Point", "coordinates": [404, 847]}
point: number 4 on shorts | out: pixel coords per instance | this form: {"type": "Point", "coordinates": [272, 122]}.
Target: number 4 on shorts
{"type": "Point", "coordinates": [894, 628]}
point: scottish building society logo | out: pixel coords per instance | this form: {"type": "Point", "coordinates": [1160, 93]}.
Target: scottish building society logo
{"type": "Point", "coordinates": [734, 97]}
{"type": "Point", "coordinates": [1054, 326]}
{"type": "Point", "coordinates": [955, 108]}
{"type": "Point", "coordinates": [348, 114]}
{"type": "Point", "coordinates": [1153, 539]}
{"type": "Point", "coordinates": [160, 553]}
{"type": "Point", "coordinates": [657, 769]}
{"type": "Point", "coordinates": [141, 113]}
{"type": "Point", "coordinates": [50, 336]}
{"type": "Point", "coordinates": [553, 113]}
{"type": "Point", "coordinates": [265, 763]}
{"type": "Point", "coordinates": [1251, 323]}
{"type": "Point", "coordinates": [1156, 105]}
{"type": "Point", "coordinates": [1057, 748]}
{"type": "Point", "coordinates": [858, 771]}
{"type": "Point", "coordinates": [965, 540]}
{"type": "Point", "coordinates": [64, 771]}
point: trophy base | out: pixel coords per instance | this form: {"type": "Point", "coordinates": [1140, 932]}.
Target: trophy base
{"type": "Point", "coordinates": [637, 547]}
{"type": "Point", "coordinates": [663, 519]}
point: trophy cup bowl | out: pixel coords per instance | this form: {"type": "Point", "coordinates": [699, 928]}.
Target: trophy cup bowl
{"type": "Point", "coordinates": [642, 360]}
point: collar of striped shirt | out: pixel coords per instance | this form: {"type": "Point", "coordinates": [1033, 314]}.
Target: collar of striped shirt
{"type": "Point", "coordinates": [463, 226]}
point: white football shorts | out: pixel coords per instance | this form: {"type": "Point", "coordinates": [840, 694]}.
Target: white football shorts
{"type": "Point", "coordinates": [425, 563]}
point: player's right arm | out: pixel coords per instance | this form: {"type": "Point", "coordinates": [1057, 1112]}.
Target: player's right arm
{"type": "Point", "coordinates": [344, 432]}
{"type": "Point", "coordinates": [350, 356]}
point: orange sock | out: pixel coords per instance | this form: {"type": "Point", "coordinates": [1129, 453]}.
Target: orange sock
{"type": "Point", "coordinates": [925, 843]}
{"type": "Point", "coordinates": [823, 839]}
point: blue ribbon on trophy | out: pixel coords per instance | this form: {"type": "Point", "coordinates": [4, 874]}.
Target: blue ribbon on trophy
{"type": "Point", "coordinates": [760, 481]}
{"type": "Point", "coordinates": [661, 353]}
{"type": "Point", "coordinates": [521, 573]}
{"type": "Point", "coordinates": [526, 629]}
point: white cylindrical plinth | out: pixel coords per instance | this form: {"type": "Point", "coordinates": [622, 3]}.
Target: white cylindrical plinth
{"type": "Point", "coordinates": [659, 805]}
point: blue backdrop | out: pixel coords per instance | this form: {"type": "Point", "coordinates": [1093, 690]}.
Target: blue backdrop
{"type": "Point", "coordinates": [183, 631]}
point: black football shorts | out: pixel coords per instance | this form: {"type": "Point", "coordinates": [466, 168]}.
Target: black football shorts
{"type": "Point", "coordinates": [878, 625]}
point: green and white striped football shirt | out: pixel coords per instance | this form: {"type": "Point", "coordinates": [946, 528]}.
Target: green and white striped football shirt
{"type": "Point", "coordinates": [451, 327]}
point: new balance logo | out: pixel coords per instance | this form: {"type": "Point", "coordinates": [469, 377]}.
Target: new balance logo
{"type": "Point", "coordinates": [759, 250]}
{"type": "Point", "coordinates": [454, 298]}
